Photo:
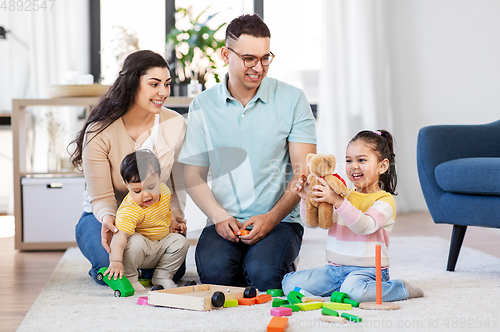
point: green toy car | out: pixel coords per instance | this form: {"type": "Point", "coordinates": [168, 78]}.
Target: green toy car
{"type": "Point", "coordinates": [122, 287]}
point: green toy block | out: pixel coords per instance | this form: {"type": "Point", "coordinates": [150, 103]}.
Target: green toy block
{"type": "Point", "coordinates": [351, 318]}
{"type": "Point", "coordinates": [310, 306]}
{"type": "Point", "coordinates": [275, 292]}
{"type": "Point", "coordinates": [329, 312]}
{"type": "Point", "coordinates": [277, 302]}
{"type": "Point", "coordinates": [338, 297]}
{"type": "Point", "coordinates": [294, 307]}
{"type": "Point", "coordinates": [231, 303]}
{"type": "Point", "coordinates": [294, 297]}
{"type": "Point", "coordinates": [352, 302]}
{"type": "Point", "coordinates": [145, 282]}
{"type": "Point", "coordinates": [337, 306]}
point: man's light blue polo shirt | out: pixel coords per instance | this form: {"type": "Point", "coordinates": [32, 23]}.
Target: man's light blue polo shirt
{"type": "Point", "coordinates": [246, 148]}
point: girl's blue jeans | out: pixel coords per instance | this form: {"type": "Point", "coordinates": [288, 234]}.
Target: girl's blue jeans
{"type": "Point", "coordinates": [88, 238]}
{"type": "Point", "coordinates": [357, 282]}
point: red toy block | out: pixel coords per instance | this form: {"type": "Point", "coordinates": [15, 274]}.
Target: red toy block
{"type": "Point", "coordinates": [281, 311]}
{"type": "Point", "coordinates": [277, 324]}
{"type": "Point", "coordinates": [263, 298]}
{"type": "Point", "coordinates": [245, 301]}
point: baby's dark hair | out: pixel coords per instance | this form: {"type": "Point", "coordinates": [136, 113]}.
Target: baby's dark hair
{"type": "Point", "coordinates": [382, 143]}
{"type": "Point", "coordinates": [136, 166]}
{"type": "Point", "coordinates": [249, 24]}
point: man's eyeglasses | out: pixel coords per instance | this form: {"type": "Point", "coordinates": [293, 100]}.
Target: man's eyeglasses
{"type": "Point", "coordinates": [250, 61]}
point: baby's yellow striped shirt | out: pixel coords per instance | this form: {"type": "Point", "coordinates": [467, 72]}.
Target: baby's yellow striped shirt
{"type": "Point", "coordinates": [153, 222]}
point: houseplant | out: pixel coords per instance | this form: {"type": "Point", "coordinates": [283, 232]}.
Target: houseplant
{"type": "Point", "coordinates": [195, 45]}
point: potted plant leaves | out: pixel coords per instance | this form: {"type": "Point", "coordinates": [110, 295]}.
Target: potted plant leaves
{"type": "Point", "coordinates": [196, 47]}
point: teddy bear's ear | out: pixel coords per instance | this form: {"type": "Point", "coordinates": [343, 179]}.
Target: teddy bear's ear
{"type": "Point", "coordinates": [309, 156]}
{"type": "Point", "coordinates": [331, 161]}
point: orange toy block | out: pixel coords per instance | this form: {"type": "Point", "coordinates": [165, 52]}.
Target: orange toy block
{"type": "Point", "coordinates": [263, 298]}
{"type": "Point", "coordinates": [244, 301]}
{"type": "Point", "coordinates": [242, 232]}
{"type": "Point", "coordinates": [277, 324]}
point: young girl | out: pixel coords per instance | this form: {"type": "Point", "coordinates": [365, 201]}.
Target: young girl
{"type": "Point", "coordinates": [362, 220]}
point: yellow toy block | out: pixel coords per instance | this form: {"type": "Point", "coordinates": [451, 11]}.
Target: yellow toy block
{"type": "Point", "coordinates": [337, 306]}
{"type": "Point", "coordinates": [231, 303]}
{"type": "Point", "coordinates": [310, 306]}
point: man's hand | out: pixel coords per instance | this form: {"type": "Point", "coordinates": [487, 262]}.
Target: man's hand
{"type": "Point", "coordinates": [227, 228]}
{"type": "Point", "coordinates": [115, 269]}
{"type": "Point", "coordinates": [262, 225]}
{"type": "Point", "coordinates": [108, 228]}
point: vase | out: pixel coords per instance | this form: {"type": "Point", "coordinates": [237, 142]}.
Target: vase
{"type": "Point", "coordinates": [194, 88]}
{"type": "Point", "coordinates": [53, 158]}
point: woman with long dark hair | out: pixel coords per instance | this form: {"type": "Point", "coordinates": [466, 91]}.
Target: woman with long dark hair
{"type": "Point", "coordinates": [128, 117]}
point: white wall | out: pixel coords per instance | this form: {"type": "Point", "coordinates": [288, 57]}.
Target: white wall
{"type": "Point", "coordinates": [445, 63]}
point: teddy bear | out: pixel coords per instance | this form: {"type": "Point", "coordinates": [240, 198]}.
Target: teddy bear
{"type": "Point", "coordinates": [322, 165]}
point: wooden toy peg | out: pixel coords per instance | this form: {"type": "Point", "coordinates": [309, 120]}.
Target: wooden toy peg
{"type": "Point", "coordinates": [378, 305]}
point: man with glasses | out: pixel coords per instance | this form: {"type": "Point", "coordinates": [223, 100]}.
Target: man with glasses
{"type": "Point", "coordinates": [253, 133]}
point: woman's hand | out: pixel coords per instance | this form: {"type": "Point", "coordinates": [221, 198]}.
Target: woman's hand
{"type": "Point", "coordinates": [107, 230]}
{"type": "Point", "coordinates": [324, 194]}
{"type": "Point", "coordinates": [302, 187]}
{"type": "Point", "coordinates": [178, 227]}
{"type": "Point", "coordinates": [178, 217]}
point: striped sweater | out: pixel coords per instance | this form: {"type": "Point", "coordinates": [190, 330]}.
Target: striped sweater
{"type": "Point", "coordinates": [361, 222]}
{"type": "Point", "coordinates": [153, 222]}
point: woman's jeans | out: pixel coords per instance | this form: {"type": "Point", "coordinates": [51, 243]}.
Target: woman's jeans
{"type": "Point", "coordinates": [358, 282]}
{"type": "Point", "coordinates": [88, 238]}
{"type": "Point", "coordinates": [262, 264]}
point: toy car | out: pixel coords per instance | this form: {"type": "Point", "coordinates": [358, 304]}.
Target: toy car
{"type": "Point", "coordinates": [122, 287]}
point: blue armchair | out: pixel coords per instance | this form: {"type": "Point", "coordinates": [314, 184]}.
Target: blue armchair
{"type": "Point", "coordinates": [459, 172]}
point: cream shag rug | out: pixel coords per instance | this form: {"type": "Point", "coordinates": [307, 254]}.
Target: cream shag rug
{"type": "Point", "coordinates": [466, 299]}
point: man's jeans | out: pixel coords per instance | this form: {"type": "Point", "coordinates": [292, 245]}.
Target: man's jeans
{"type": "Point", "coordinates": [261, 265]}
{"type": "Point", "coordinates": [358, 282]}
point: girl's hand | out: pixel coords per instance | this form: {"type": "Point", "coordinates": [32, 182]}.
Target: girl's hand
{"type": "Point", "coordinates": [302, 187]}
{"type": "Point", "coordinates": [324, 194]}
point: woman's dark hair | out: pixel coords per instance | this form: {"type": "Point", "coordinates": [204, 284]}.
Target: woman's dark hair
{"type": "Point", "coordinates": [247, 24]}
{"type": "Point", "coordinates": [119, 98]}
{"type": "Point", "coordinates": [382, 143]}
{"type": "Point", "coordinates": [136, 166]}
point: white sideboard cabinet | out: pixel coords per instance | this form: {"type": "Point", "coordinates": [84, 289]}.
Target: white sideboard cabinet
{"type": "Point", "coordinates": [47, 206]}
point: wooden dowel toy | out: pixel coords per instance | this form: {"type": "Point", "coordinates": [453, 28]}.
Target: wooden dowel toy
{"type": "Point", "coordinates": [332, 319]}
{"type": "Point", "coordinates": [378, 305]}
{"type": "Point", "coordinates": [378, 270]}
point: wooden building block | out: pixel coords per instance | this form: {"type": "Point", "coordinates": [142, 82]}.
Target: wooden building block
{"type": "Point", "coordinates": [281, 311]}
{"type": "Point", "coordinates": [231, 303]}
{"type": "Point", "coordinates": [243, 301]}
{"type": "Point", "coordinates": [337, 306]}
{"type": "Point", "coordinates": [294, 307]}
{"type": "Point", "coordinates": [263, 298]}
{"type": "Point", "coordinates": [275, 292]}
{"type": "Point", "coordinates": [277, 324]}
{"type": "Point", "coordinates": [277, 302]}
{"type": "Point", "coordinates": [310, 306]}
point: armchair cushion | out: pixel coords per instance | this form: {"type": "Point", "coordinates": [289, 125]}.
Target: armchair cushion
{"type": "Point", "coordinates": [477, 176]}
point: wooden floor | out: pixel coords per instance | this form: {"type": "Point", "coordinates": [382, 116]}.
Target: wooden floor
{"type": "Point", "coordinates": [23, 274]}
